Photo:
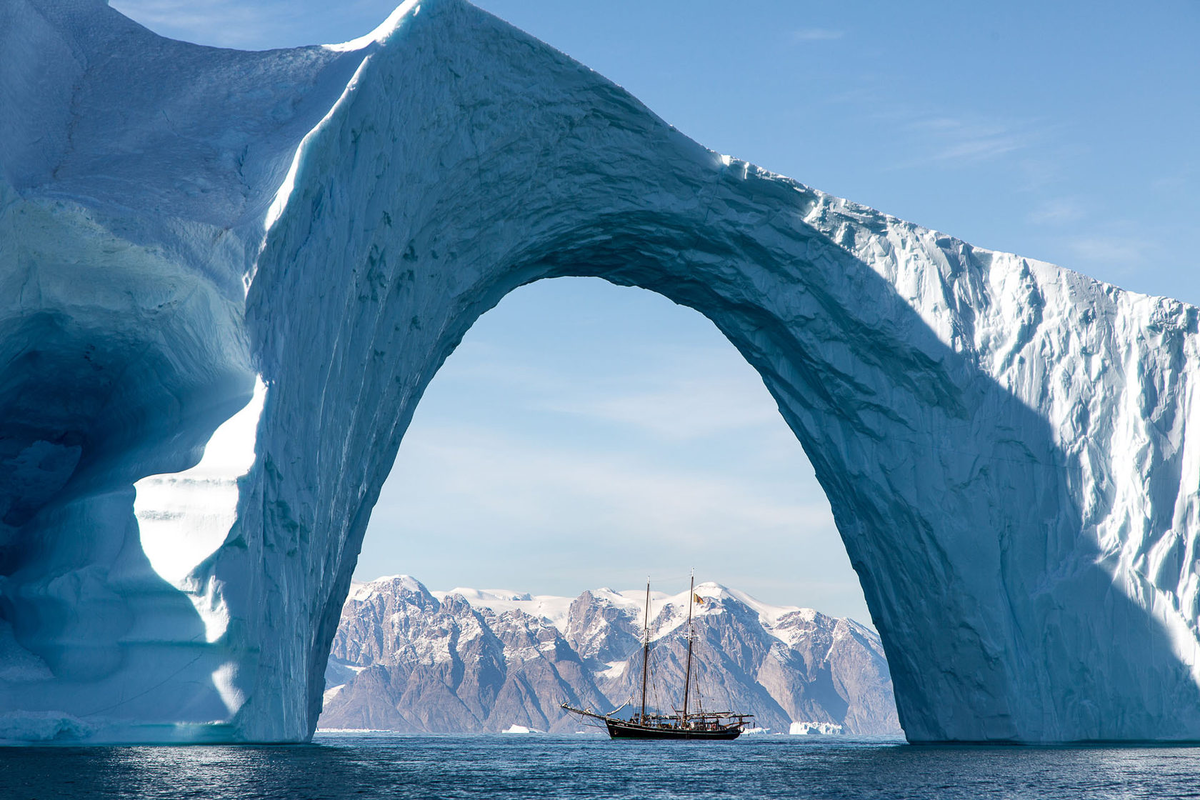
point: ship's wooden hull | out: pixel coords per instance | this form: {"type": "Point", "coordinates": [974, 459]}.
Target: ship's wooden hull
{"type": "Point", "coordinates": [682, 725]}
{"type": "Point", "coordinates": [620, 729]}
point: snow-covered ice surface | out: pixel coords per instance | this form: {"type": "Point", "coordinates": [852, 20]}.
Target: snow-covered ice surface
{"type": "Point", "coordinates": [1005, 444]}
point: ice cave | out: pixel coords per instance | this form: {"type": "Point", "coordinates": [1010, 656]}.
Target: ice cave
{"type": "Point", "coordinates": [282, 247]}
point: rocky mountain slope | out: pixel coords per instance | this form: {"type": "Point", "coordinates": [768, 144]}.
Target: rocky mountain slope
{"type": "Point", "coordinates": [409, 659]}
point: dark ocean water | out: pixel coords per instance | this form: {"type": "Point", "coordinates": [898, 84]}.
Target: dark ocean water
{"type": "Point", "coordinates": [535, 766]}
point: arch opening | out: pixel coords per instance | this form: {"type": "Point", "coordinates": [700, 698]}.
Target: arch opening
{"type": "Point", "coordinates": [578, 410]}
{"type": "Point", "coordinates": [584, 436]}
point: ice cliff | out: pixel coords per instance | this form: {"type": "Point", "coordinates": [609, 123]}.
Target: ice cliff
{"type": "Point", "coordinates": [1005, 444]}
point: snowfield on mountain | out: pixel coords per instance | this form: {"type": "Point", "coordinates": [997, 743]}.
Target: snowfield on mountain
{"type": "Point", "coordinates": [408, 659]}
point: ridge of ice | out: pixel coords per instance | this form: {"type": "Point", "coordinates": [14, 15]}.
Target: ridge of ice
{"type": "Point", "coordinates": [382, 31]}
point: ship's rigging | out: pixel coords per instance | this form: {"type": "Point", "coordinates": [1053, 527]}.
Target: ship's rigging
{"type": "Point", "coordinates": [684, 724]}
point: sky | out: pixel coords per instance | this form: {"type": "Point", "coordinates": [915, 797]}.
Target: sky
{"type": "Point", "coordinates": [587, 435]}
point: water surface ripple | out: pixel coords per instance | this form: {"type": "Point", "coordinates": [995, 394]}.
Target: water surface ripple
{"type": "Point", "coordinates": [499, 766]}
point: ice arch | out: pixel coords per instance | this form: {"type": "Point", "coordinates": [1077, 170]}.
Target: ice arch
{"type": "Point", "coordinates": [1004, 443]}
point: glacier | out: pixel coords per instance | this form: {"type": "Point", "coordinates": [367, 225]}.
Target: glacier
{"type": "Point", "coordinates": [1004, 443]}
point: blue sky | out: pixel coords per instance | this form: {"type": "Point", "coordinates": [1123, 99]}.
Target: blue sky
{"type": "Point", "coordinates": [586, 435]}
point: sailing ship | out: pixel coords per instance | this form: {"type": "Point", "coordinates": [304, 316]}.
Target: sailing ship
{"type": "Point", "coordinates": [684, 724]}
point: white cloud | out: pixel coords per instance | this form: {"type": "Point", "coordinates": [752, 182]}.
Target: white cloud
{"type": "Point", "coordinates": [1060, 211]}
{"type": "Point", "coordinates": [1110, 250]}
{"type": "Point", "coordinates": [681, 410]}
{"type": "Point", "coordinates": [1183, 177]}
{"type": "Point", "coordinates": [670, 393]}
{"type": "Point", "coordinates": [548, 517]}
{"type": "Point", "coordinates": [953, 142]}
{"type": "Point", "coordinates": [530, 483]}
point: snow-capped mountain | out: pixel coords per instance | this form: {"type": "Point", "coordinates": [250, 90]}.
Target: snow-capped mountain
{"type": "Point", "coordinates": [409, 659]}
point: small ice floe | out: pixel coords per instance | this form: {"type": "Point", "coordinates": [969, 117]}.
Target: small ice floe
{"type": "Point", "coordinates": [520, 729]}
{"type": "Point", "coordinates": [814, 728]}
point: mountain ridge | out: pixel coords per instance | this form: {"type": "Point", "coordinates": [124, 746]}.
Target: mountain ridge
{"type": "Point", "coordinates": [410, 659]}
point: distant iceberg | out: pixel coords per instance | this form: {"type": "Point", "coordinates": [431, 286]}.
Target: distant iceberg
{"type": "Point", "coordinates": [809, 728]}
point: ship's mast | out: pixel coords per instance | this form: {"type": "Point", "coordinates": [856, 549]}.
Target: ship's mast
{"type": "Point", "coordinates": [646, 651]}
{"type": "Point", "coordinates": [687, 673]}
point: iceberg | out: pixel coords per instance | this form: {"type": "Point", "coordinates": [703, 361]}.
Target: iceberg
{"type": "Point", "coordinates": [1004, 443]}
{"type": "Point", "coordinates": [814, 728]}
{"type": "Point", "coordinates": [514, 728]}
